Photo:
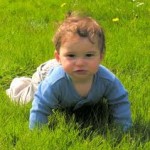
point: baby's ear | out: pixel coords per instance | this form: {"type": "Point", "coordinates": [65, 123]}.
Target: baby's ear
{"type": "Point", "coordinates": [56, 54]}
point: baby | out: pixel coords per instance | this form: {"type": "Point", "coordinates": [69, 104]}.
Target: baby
{"type": "Point", "coordinates": [80, 80]}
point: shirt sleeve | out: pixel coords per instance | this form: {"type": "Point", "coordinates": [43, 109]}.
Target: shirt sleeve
{"type": "Point", "coordinates": [119, 105]}
{"type": "Point", "coordinates": [45, 100]}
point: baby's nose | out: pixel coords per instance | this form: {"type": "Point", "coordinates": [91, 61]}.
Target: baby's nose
{"type": "Point", "coordinates": [80, 61]}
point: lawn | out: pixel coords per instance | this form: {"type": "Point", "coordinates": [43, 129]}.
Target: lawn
{"type": "Point", "coordinates": [26, 31]}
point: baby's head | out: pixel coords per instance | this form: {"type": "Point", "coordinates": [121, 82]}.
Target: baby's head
{"type": "Point", "coordinates": [82, 26]}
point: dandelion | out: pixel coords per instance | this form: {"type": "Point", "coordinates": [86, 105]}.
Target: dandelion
{"type": "Point", "coordinates": [115, 19]}
{"type": "Point", "coordinates": [62, 5]}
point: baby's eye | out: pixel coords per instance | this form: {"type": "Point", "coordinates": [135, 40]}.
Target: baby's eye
{"type": "Point", "coordinates": [71, 55]}
{"type": "Point", "coordinates": [89, 55]}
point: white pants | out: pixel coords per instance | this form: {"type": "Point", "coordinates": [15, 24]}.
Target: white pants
{"type": "Point", "coordinates": [22, 89]}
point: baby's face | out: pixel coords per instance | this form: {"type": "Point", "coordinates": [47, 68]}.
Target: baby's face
{"type": "Point", "coordinates": [79, 57]}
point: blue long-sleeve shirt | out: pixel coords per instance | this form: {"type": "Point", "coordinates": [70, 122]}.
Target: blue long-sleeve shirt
{"type": "Point", "coordinates": [58, 91]}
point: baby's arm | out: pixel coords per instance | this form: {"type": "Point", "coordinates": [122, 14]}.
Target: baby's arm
{"type": "Point", "coordinates": [44, 101]}
{"type": "Point", "coordinates": [119, 104]}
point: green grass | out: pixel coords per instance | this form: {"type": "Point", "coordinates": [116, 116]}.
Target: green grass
{"type": "Point", "coordinates": [26, 30]}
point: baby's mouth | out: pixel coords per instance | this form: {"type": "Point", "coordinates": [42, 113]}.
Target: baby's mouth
{"type": "Point", "coordinates": [80, 71]}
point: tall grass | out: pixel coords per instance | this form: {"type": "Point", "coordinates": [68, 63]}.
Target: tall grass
{"type": "Point", "coordinates": [26, 30]}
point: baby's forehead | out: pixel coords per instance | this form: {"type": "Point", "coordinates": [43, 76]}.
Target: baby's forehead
{"type": "Point", "coordinates": [76, 39]}
{"type": "Point", "coordinates": [71, 36]}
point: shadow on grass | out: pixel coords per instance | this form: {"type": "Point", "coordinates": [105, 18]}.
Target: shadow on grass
{"type": "Point", "coordinates": [95, 120]}
{"type": "Point", "coordinates": [140, 130]}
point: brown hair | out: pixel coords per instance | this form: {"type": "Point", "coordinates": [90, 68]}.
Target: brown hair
{"type": "Point", "coordinates": [83, 26]}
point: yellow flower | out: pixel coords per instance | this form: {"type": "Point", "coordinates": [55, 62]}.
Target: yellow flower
{"type": "Point", "coordinates": [62, 5]}
{"type": "Point", "coordinates": [115, 19]}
